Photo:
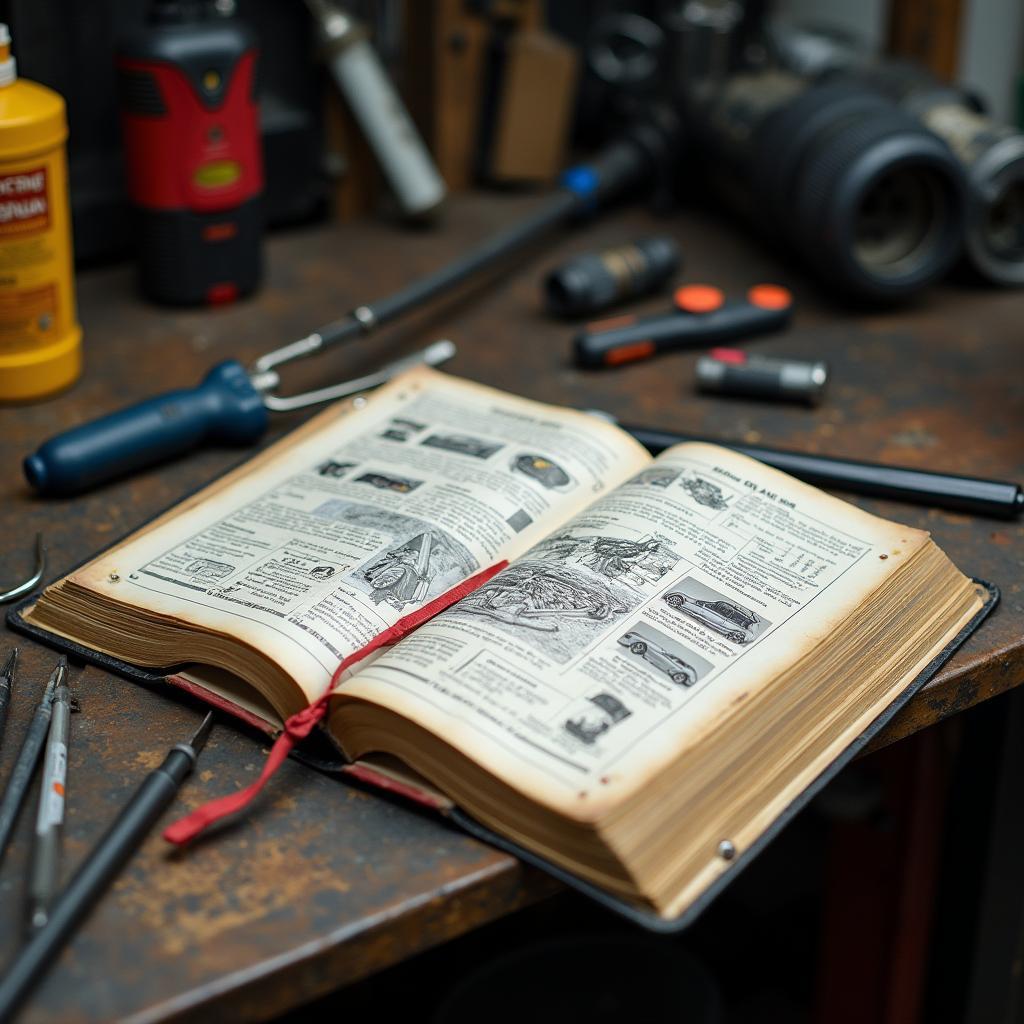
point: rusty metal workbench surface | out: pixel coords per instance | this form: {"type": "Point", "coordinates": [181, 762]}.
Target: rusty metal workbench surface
{"type": "Point", "coordinates": [324, 884]}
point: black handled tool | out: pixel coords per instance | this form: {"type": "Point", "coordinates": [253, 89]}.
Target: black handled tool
{"type": "Point", "coordinates": [1000, 499]}
{"type": "Point", "coordinates": [702, 317]}
{"type": "Point", "coordinates": [109, 855]}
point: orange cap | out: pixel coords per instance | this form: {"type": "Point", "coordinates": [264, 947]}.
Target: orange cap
{"type": "Point", "coordinates": [699, 298]}
{"type": "Point", "coordinates": [770, 296]}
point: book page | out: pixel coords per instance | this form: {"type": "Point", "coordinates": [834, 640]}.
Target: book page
{"type": "Point", "coordinates": [628, 632]}
{"type": "Point", "coordinates": [332, 538]}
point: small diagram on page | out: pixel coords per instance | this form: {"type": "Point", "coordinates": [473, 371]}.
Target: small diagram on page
{"type": "Point", "coordinates": [416, 562]}
{"type": "Point", "coordinates": [662, 655]}
{"type": "Point", "coordinates": [557, 609]}
{"type": "Point", "coordinates": [520, 520]}
{"type": "Point", "coordinates": [414, 568]}
{"type": "Point", "coordinates": [639, 562]}
{"type": "Point", "coordinates": [389, 482]}
{"type": "Point", "coordinates": [715, 611]}
{"type": "Point", "coordinates": [656, 476]}
{"type": "Point", "coordinates": [334, 470]}
{"type": "Point", "coordinates": [697, 490]}
{"type": "Point", "coordinates": [463, 444]}
{"type": "Point", "coordinates": [706, 493]}
{"type": "Point", "coordinates": [542, 470]}
{"type": "Point", "coordinates": [207, 570]}
{"type": "Point", "coordinates": [400, 430]}
{"type": "Point", "coordinates": [593, 716]}
{"type": "Point", "coordinates": [402, 575]}
{"type": "Point", "coordinates": [635, 562]}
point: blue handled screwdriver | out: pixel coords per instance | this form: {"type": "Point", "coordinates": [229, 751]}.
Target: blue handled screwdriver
{"type": "Point", "coordinates": [229, 407]}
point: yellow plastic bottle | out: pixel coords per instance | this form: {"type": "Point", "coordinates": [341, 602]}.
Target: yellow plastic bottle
{"type": "Point", "coordinates": [40, 338]}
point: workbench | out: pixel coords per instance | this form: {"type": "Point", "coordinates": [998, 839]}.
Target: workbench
{"type": "Point", "coordinates": [321, 883]}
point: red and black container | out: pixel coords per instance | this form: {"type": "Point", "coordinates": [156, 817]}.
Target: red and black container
{"type": "Point", "coordinates": [192, 152]}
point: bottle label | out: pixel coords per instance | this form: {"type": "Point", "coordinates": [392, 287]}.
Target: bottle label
{"type": "Point", "coordinates": [29, 300]}
{"type": "Point", "coordinates": [24, 202]}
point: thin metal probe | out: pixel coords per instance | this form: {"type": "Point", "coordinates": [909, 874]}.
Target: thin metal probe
{"type": "Point", "coordinates": [200, 736]}
{"type": "Point", "coordinates": [33, 581]}
{"type": "Point", "coordinates": [28, 757]}
{"type": "Point", "coordinates": [7, 688]}
{"type": "Point", "coordinates": [44, 873]}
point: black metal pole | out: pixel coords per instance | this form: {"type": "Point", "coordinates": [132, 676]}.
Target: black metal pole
{"type": "Point", "coordinates": [1000, 499]}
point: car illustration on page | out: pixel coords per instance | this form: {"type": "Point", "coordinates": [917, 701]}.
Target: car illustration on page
{"type": "Point", "coordinates": [673, 666]}
{"type": "Point", "coordinates": [733, 621]}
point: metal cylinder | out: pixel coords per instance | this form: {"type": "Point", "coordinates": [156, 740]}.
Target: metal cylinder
{"type": "Point", "coordinates": [382, 116]}
{"type": "Point", "coordinates": [734, 372]}
{"type": "Point", "coordinates": [596, 280]}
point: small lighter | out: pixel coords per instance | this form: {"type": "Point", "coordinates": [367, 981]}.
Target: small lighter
{"type": "Point", "coordinates": [193, 154]}
{"type": "Point", "coordinates": [731, 371]}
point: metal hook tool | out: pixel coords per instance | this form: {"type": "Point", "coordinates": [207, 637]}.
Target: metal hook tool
{"type": "Point", "coordinates": [264, 377]}
{"type": "Point", "coordinates": [33, 581]}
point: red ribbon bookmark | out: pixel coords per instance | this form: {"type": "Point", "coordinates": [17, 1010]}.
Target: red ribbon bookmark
{"type": "Point", "coordinates": [300, 725]}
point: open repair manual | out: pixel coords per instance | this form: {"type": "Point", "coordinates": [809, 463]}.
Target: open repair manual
{"type": "Point", "coordinates": [678, 649]}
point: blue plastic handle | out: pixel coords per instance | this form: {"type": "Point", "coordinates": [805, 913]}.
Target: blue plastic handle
{"type": "Point", "coordinates": [224, 409]}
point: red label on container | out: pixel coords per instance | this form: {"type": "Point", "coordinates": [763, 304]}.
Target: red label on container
{"type": "Point", "coordinates": [24, 202]}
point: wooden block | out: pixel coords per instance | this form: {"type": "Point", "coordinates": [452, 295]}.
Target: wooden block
{"type": "Point", "coordinates": [446, 47]}
{"type": "Point", "coordinates": [927, 31]}
{"type": "Point", "coordinates": [534, 109]}
{"type": "Point", "coordinates": [357, 187]}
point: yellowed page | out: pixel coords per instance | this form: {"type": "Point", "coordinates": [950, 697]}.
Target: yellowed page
{"type": "Point", "coordinates": [630, 631]}
{"type": "Point", "coordinates": [332, 538]}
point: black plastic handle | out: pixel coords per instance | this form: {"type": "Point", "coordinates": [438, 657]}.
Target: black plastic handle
{"type": "Point", "coordinates": [621, 342]}
{"type": "Point", "coordinates": [122, 838]}
{"type": "Point", "coordinates": [1000, 499]}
